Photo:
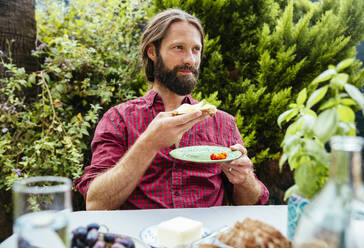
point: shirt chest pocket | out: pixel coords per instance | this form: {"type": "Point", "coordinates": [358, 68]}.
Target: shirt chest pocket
{"type": "Point", "coordinates": [207, 137]}
{"type": "Point", "coordinates": [204, 133]}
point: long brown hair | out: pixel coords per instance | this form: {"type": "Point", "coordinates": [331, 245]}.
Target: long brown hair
{"type": "Point", "coordinates": [156, 30]}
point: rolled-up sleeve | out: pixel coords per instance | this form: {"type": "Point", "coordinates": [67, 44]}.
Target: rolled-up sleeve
{"type": "Point", "coordinates": [264, 194]}
{"type": "Point", "coordinates": [108, 146]}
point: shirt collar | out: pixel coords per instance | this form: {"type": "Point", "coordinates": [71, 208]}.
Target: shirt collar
{"type": "Point", "coordinates": [152, 97]}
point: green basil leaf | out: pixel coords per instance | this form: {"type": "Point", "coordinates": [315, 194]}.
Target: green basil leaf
{"type": "Point", "coordinates": [316, 96]}
{"type": "Point", "coordinates": [294, 150]}
{"type": "Point", "coordinates": [293, 161]}
{"type": "Point", "coordinates": [308, 122]}
{"type": "Point", "coordinates": [346, 113]}
{"type": "Point", "coordinates": [316, 151]}
{"type": "Point", "coordinates": [286, 116]}
{"type": "Point", "coordinates": [282, 160]}
{"type": "Point", "coordinates": [290, 191]}
{"type": "Point", "coordinates": [346, 128]}
{"type": "Point", "coordinates": [326, 75]}
{"type": "Point", "coordinates": [307, 111]}
{"type": "Point", "coordinates": [289, 141]}
{"type": "Point", "coordinates": [302, 96]}
{"type": "Point", "coordinates": [328, 104]}
{"type": "Point", "coordinates": [340, 80]}
{"type": "Point", "coordinates": [344, 64]}
{"type": "Point", "coordinates": [292, 105]}
{"type": "Point", "coordinates": [304, 172]}
{"type": "Point", "coordinates": [347, 102]}
{"type": "Point", "coordinates": [292, 129]}
{"type": "Point", "coordinates": [355, 93]}
{"type": "Point", "coordinates": [326, 124]}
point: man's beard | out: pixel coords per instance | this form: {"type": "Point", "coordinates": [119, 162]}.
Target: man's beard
{"type": "Point", "coordinates": [181, 85]}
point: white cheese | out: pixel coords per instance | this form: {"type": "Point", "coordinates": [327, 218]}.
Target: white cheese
{"type": "Point", "coordinates": [179, 231]}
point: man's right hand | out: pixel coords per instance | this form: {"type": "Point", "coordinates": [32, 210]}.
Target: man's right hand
{"type": "Point", "coordinates": [166, 130]}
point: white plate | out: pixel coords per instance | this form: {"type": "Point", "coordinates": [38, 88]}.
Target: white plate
{"type": "Point", "coordinates": [149, 235]}
{"type": "Point", "coordinates": [201, 154]}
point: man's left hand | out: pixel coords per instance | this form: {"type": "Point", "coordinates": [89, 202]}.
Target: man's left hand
{"type": "Point", "coordinates": [247, 189]}
{"type": "Point", "coordinates": [239, 170]}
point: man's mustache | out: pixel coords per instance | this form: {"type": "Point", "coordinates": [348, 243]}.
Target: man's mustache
{"type": "Point", "coordinates": [186, 68]}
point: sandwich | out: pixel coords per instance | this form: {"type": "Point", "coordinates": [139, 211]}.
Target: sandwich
{"type": "Point", "coordinates": [203, 106]}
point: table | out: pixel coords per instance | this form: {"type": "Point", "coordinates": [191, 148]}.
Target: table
{"type": "Point", "coordinates": [131, 222]}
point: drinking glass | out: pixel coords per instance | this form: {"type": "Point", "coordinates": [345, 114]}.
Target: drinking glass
{"type": "Point", "coordinates": [41, 206]}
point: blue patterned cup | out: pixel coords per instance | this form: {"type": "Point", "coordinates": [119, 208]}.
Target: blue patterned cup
{"type": "Point", "coordinates": [296, 205]}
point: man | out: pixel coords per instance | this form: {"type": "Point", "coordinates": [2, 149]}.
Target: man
{"type": "Point", "coordinates": [131, 167]}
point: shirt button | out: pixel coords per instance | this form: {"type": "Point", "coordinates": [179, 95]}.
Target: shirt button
{"type": "Point", "coordinates": [176, 193]}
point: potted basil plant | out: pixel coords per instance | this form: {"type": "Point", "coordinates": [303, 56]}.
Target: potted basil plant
{"type": "Point", "coordinates": [313, 119]}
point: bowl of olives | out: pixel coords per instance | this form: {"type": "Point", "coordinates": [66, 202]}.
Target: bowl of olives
{"type": "Point", "coordinates": [92, 236]}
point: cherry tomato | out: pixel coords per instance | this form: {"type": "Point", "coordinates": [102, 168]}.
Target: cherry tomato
{"type": "Point", "coordinates": [213, 156]}
{"type": "Point", "coordinates": [218, 156]}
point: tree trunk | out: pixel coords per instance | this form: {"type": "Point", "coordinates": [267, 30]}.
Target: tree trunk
{"type": "Point", "coordinates": [18, 27]}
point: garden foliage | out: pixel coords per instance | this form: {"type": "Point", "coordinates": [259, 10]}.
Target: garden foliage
{"type": "Point", "coordinates": [89, 62]}
{"type": "Point", "coordinates": [259, 55]}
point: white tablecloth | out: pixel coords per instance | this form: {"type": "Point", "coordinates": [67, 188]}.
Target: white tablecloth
{"type": "Point", "coordinates": [131, 222]}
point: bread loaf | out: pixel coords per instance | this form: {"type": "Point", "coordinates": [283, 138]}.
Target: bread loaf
{"type": "Point", "coordinates": [253, 233]}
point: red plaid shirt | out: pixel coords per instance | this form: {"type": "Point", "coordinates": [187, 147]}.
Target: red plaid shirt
{"type": "Point", "coordinates": [168, 182]}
